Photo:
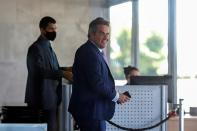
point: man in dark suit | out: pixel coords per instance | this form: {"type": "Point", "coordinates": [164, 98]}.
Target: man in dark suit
{"type": "Point", "coordinates": [93, 96]}
{"type": "Point", "coordinates": [44, 86]}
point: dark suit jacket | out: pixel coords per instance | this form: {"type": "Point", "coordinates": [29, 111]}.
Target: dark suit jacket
{"type": "Point", "coordinates": [93, 86]}
{"type": "Point", "coordinates": [44, 87]}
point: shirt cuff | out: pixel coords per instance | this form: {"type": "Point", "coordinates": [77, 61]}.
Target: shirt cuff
{"type": "Point", "coordinates": [115, 99]}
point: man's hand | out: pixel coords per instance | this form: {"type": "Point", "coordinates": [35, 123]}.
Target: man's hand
{"type": "Point", "coordinates": [67, 68]}
{"type": "Point", "coordinates": [68, 75]}
{"type": "Point", "coordinates": [123, 98]}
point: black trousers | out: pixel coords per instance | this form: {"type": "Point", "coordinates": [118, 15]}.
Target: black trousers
{"type": "Point", "coordinates": [51, 117]}
{"type": "Point", "coordinates": [94, 125]}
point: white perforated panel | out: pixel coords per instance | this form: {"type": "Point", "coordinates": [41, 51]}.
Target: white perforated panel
{"type": "Point", "coordinates": [143, 110]}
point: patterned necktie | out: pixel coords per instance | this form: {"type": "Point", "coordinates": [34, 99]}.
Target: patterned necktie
{"type": "Point", "coordinates": [103, 54]}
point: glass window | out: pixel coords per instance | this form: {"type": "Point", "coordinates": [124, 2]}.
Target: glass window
{"type": "Point", "coordinates": [186, 51]}
{"type": "Point", "coordinates": [153, 33]}
{"type": "Point", "coordinates": [120, 45]}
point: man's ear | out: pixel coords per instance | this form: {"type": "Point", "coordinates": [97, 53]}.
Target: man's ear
{"type": "Point", "coordinates": [42, 30]}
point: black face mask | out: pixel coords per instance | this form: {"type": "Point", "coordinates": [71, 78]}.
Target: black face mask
{"type": "Point", "coordinates": [50, 35]}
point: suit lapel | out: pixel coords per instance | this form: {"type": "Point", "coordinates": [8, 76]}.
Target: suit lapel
{"type": "Point", "coordinates": [45, 50]}
{"type": "Point", "coordinates": [101, 56]}
{"type": "Point", "coordinates": [49, 57]}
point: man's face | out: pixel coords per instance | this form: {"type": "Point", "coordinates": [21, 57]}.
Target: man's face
{"type": "Point", "coordinates": [101, 36]}
{"type": "Point", "coordinates": [50, 31]}
{"type": "Point", "coordinates": [51, 28]}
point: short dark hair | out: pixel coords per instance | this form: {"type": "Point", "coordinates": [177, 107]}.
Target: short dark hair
{"type": "Point", "coordinates": [95, 22]}
{"type": "Point", "coordinates": [45, 21]}
{"type": "Point", "coordinates": [128, 69]}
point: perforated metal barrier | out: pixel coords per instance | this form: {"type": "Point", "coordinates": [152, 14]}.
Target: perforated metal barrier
{"type": "Point", "coordinates": [146, 107]}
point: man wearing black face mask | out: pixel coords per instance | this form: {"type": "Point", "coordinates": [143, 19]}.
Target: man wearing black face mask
{"type": "Point", "coordinates": [44, 86]}
{"type": "Point", "coordinates": [51, 35]}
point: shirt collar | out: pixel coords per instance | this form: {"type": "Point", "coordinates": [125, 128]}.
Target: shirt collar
{"type": "Point", "coordinates": [97, 46]}
{"type": "Point", "coordinates": [46, 41]}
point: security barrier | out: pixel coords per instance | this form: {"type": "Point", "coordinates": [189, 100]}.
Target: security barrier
{"type": "Point", "coordinates": [148, 105]}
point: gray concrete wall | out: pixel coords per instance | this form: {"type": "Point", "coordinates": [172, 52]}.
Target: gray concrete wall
{"type": "Point", "coordinates": [19, 28]}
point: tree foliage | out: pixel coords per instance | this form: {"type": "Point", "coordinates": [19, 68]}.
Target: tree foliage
{"type": "Point", "coordinates": [123, 55]}
{"type": "Point", "coordinates": [150, 54]}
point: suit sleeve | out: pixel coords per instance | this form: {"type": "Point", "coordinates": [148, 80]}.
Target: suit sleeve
{"type": "Point", "coordinates": [35, 61]}
{"type": "Point", "coordinates": [93, 70]}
